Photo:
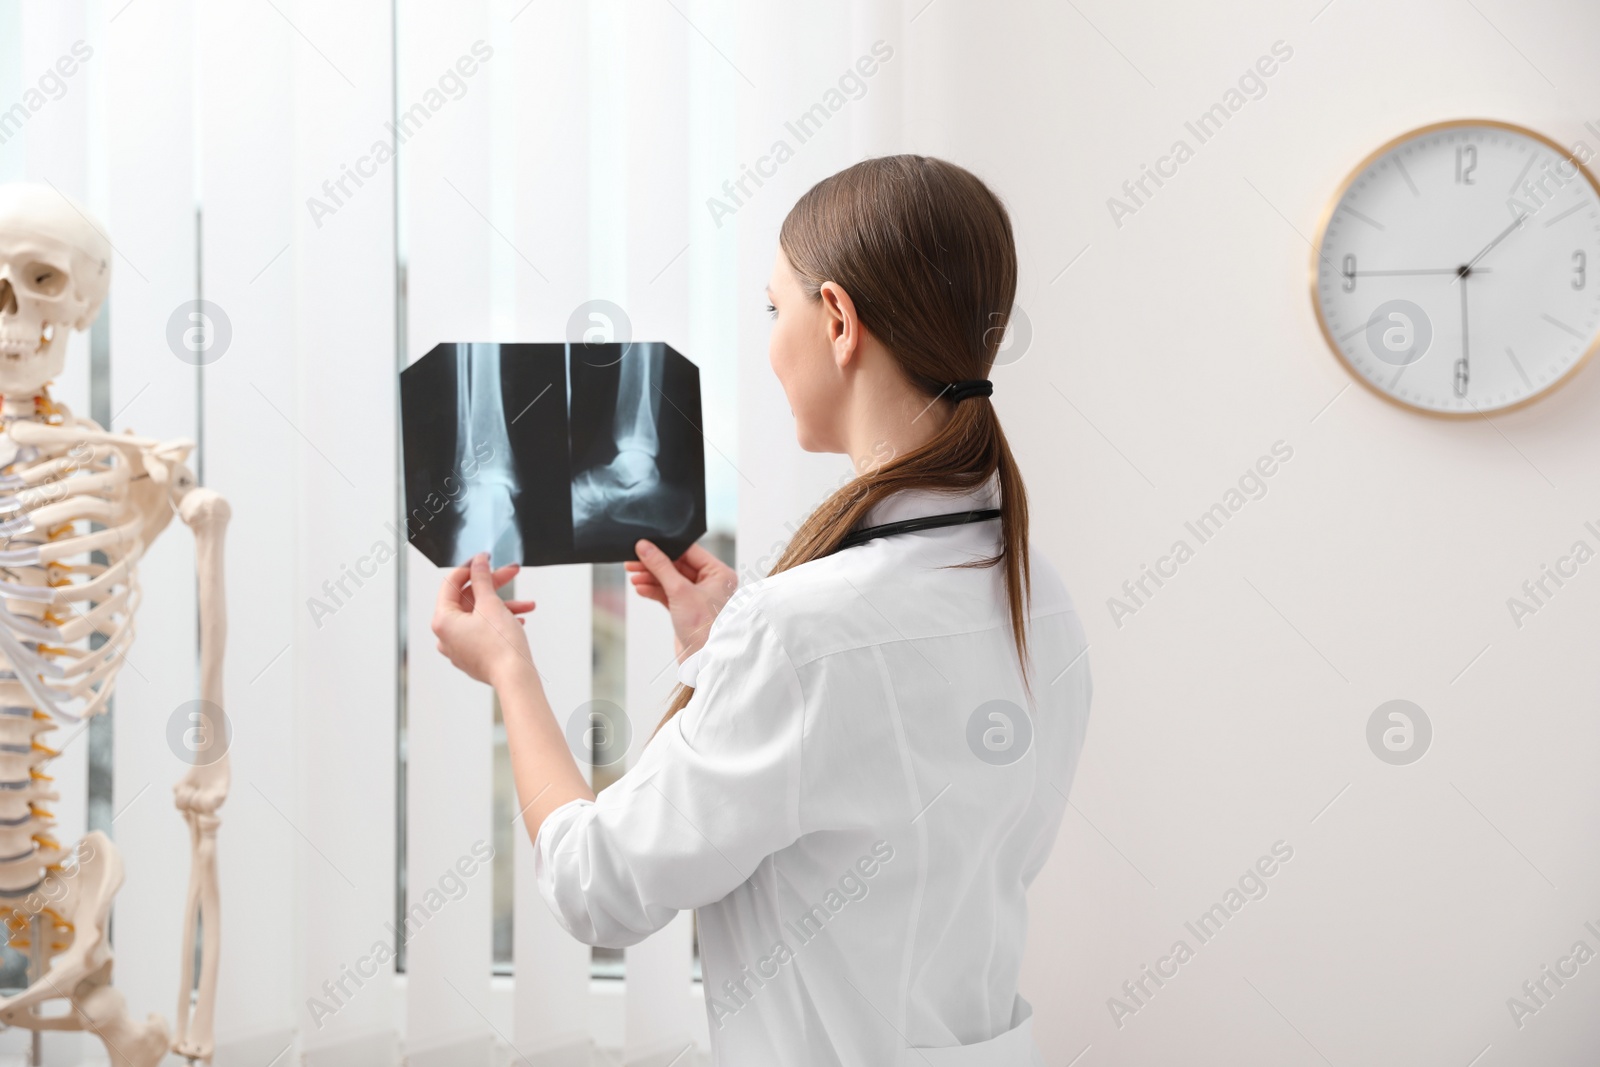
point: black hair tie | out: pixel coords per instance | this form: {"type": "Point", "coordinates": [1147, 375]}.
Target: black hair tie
{"type": "Point", "coordinates": [959, 391]}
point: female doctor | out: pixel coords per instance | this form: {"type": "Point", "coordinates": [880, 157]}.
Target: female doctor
{"type": "Point", "coordinates": [869, 755]}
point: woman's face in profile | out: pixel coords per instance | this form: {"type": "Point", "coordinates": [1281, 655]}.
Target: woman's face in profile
{"type": "Point", "coordinates": [802, 358]}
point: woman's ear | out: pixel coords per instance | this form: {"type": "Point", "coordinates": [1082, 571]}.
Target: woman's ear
{"type": "Point", "coordinates": [840, 320]}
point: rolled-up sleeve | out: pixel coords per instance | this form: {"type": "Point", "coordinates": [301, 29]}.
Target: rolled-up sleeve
{"type": "Point", "coordinates": [715, 793]}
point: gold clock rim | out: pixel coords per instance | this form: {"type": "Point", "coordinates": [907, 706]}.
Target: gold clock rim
{"type": "Point", "coordinates": [1333, 205]}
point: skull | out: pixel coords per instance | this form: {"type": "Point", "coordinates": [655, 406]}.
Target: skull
{"type": "Point", "coordinates": [55, 267]}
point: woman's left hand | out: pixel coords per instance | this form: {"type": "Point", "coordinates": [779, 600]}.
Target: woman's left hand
{"type": "Point", "coordinates": [477, 631]}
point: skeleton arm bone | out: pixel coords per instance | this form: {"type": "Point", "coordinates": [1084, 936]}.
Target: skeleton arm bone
{"type": "Point", "coordinates": [206, 783]}
{"type": "Point", "coordinates": [205, 786]}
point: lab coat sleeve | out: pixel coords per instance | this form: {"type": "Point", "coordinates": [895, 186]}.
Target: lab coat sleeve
{"type": "Point", "coordinates": [713, 794]}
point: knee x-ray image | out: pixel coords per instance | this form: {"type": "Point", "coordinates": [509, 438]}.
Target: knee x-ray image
{"type": "Point", "coordinates": [551, 453]}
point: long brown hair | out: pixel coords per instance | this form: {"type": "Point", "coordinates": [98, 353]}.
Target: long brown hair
{"type": "Point", "coordinates": [926, 253]}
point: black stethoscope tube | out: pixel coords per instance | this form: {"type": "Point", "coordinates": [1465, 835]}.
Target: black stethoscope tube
{"type": "Point", "coordinates": [926, 522]}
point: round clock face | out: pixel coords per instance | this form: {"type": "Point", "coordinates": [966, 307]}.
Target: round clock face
{"type": "Point", "coordinates": [1453, 274]}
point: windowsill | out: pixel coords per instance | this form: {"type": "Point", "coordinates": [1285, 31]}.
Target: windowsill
{"type": "Point", "coordinates": [607, 1010]}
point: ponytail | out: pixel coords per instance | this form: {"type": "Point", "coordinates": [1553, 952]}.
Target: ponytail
{"type": "Point", "coordinates": [926, 252]}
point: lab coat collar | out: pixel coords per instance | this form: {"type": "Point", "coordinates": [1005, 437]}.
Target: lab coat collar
{"type": "Point", "coordinates": [906, 504]}
{"type": "Point", "coordinates": [917, 503]}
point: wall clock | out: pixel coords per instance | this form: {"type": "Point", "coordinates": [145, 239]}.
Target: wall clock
{"type": "Point", "coordinates": [1457, 270]}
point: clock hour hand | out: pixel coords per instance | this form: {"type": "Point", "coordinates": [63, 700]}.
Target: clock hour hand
{"type": "Point", "coordinates": [1463, 367]}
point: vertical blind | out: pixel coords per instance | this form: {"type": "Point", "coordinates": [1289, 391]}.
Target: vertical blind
{"type": "Point", "coordinates": [350, 184]}
{"type": "Point", "coordinates": [644, 153]}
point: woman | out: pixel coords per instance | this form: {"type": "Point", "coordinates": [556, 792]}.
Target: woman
{"type": "Point", "coordinates": [846, 787]}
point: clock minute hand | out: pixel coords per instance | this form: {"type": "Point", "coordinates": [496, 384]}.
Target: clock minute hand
{"type": "Point", "coordinates": [1490, 246]}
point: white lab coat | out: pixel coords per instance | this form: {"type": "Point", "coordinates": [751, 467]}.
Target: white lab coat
{"type": "Point", "coordinates": [857, 868]}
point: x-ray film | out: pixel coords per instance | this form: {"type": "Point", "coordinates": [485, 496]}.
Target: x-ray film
{"type": "Point", "coordinates": [551, 453]}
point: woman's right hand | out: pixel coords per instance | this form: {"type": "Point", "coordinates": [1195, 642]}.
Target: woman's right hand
{"type": "Point", "coordinates": [693, 589]}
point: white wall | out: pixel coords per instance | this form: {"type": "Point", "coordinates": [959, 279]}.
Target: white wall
{"type": "Point", "coordinates": [1232, 709]}
{"type": "Point", "coordinates": [1167, 355]}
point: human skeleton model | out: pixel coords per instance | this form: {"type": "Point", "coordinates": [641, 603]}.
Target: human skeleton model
{"type": "Point", "coordinates": [78, 508]}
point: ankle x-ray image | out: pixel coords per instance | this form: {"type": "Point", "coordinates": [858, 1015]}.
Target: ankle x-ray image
{"type": "Point", "coordinates": [551, 453]}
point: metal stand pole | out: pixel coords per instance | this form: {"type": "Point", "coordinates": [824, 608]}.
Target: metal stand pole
{"type": "Point", "coordinates": [35, 969]}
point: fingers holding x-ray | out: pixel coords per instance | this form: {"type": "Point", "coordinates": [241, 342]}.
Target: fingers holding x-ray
{"type": "Point", "coordinates": [551, 453]}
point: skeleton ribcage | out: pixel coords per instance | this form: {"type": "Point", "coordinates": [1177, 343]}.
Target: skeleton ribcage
{"type": "Point", "coordinates": [69, 545]}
